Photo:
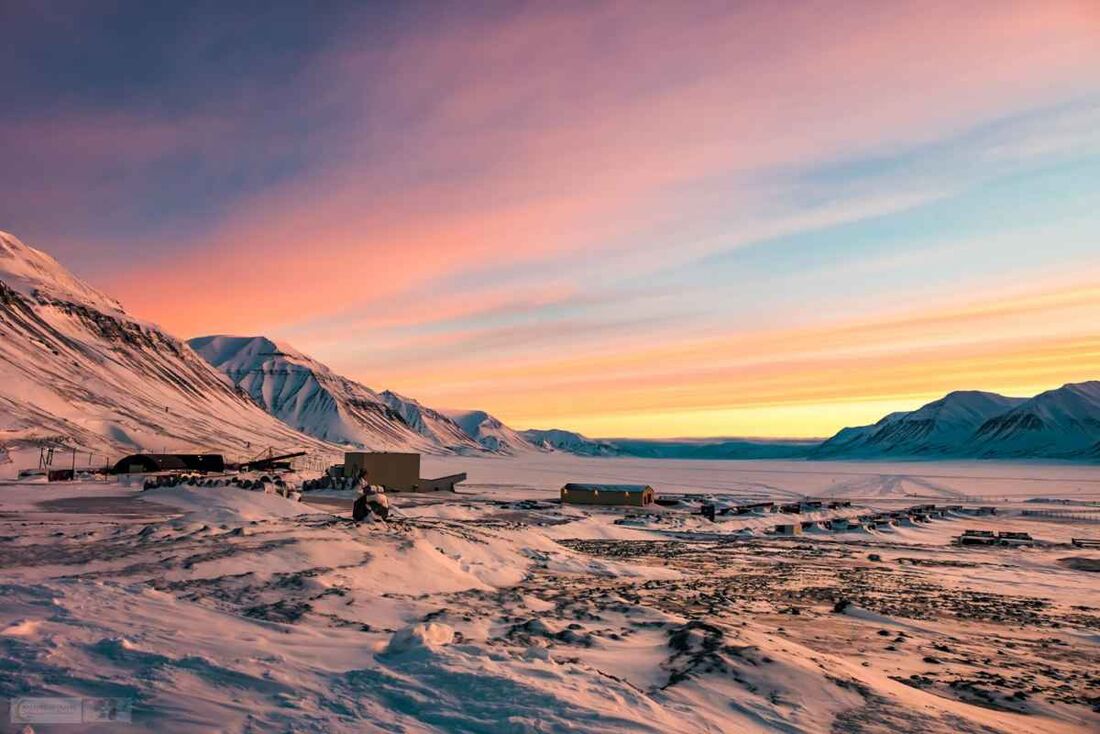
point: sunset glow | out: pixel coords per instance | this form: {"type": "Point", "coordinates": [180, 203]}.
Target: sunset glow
{"type": "Point", "coordinates": [626, 219]}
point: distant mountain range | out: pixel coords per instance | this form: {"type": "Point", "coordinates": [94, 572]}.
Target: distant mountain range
{"type": "Point", "coordinates": [76, 369]}
{"type": "Point", "coordinates": [1057, 424]}
{"type": "Point", "coordinates": [311, 398]}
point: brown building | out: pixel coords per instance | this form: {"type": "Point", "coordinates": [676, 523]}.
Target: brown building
{"type": "Point", "coordinates": [636, 495]}
{"type": "Point", "coordinates": [394, 471]}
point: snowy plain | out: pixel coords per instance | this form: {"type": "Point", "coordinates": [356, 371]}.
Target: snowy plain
{"type": "Point", "coordinates": [498, 610]}
{"type": "Point", "coordinates": [945, 479]}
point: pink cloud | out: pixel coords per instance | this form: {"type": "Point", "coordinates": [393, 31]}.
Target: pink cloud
{"type": "Point", "coordinates": [555, 132]}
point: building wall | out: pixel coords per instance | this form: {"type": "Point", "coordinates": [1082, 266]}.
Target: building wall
{"type": "Point", "coordinates": [441, 484]}
{"type": "Point", "coordinates": [394, 471]}
{"type": "Point", "coordinates": [586, 497]}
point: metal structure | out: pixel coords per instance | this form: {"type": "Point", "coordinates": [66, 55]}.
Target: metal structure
{"type": "Point", "coordinates": [270, 461]}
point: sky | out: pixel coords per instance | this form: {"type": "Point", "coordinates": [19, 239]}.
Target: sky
{"type": "Point", "coordinates": [623, 218]}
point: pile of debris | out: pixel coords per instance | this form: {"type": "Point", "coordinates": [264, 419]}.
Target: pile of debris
{"type": "Point", "coordinates": [272, 484]}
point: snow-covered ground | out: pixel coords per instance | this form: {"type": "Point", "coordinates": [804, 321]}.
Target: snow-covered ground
{"type": "Point", "coordinates": [945, 479]}
{"type": "Point", "coordinates": [499, 610]}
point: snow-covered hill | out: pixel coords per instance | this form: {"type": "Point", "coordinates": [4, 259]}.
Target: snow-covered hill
{"type": "Point", "coordinates": [307, 395]}
{"type": "Point", "coordinates": [1061, 423]}
{"type": "Point", "coordinates": [943, 426]}
{"type": "Point", "coordinates": [490, 432]}
{"type": "Point", "coordinates": [77, 370]}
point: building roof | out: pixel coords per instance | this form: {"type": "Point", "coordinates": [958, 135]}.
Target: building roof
{"type": "Point", "coordinates": [628, 488]}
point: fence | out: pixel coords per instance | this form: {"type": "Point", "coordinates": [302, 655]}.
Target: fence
{"type": "Point", "coordinates": [1074, 515]}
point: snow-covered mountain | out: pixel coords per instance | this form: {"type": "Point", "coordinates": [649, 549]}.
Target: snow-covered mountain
{"type": "Point", "coordinates": [76, 369]}
{"type": "Point", "coordinates": [943, 426]}
{"type": "Point", "coordinates": [490, 432]}
{"type": "Point", "coordinates": [1061, 423]}
{"type": "Point", "coordinates": [431, 424]}
{"type": "Point", "coordinates": [307, 395]}
{"type": "Point", "coordinates": [1057, 424]}
{"type": "Point", "coordinates": [556, 439]}
{"type": "Point", "coordinates": [35, 275]}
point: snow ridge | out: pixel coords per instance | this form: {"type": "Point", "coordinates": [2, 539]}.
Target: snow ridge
{"type": "Point", "coordinates": [37, 276]}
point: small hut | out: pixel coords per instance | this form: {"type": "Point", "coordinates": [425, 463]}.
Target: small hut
{"type": "Point", "coordinates": [635, 495]}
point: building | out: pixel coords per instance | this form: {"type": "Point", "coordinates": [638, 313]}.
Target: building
{"type": "Point", "coordinates": [637, 495]}
{"type": "Point", "coordinates": [757, 508]}
{"type": "Point", "coordinates": [395, 471]}
{"type": "Point", "coordinates": [789, 529]}
{"type": "Point", "coordinates": [977, 537]}
{"type": "Point", "coordinates": [148, 463]}
{"type": "Point", "coordinates": [442, 484]}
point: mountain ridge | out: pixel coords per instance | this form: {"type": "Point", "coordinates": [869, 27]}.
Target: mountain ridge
{"type": "Point", "coordinates": [77, 370]}
{"type": "Point", "coordinates": [311, 397]}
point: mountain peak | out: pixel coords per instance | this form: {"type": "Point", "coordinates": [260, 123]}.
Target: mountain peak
{"type": "Point", "coordinates": [221, 349]}
{"type": "Point", "coordinates": [29, 272]}
{"type": "Point", "coordinates": [489, 431]}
